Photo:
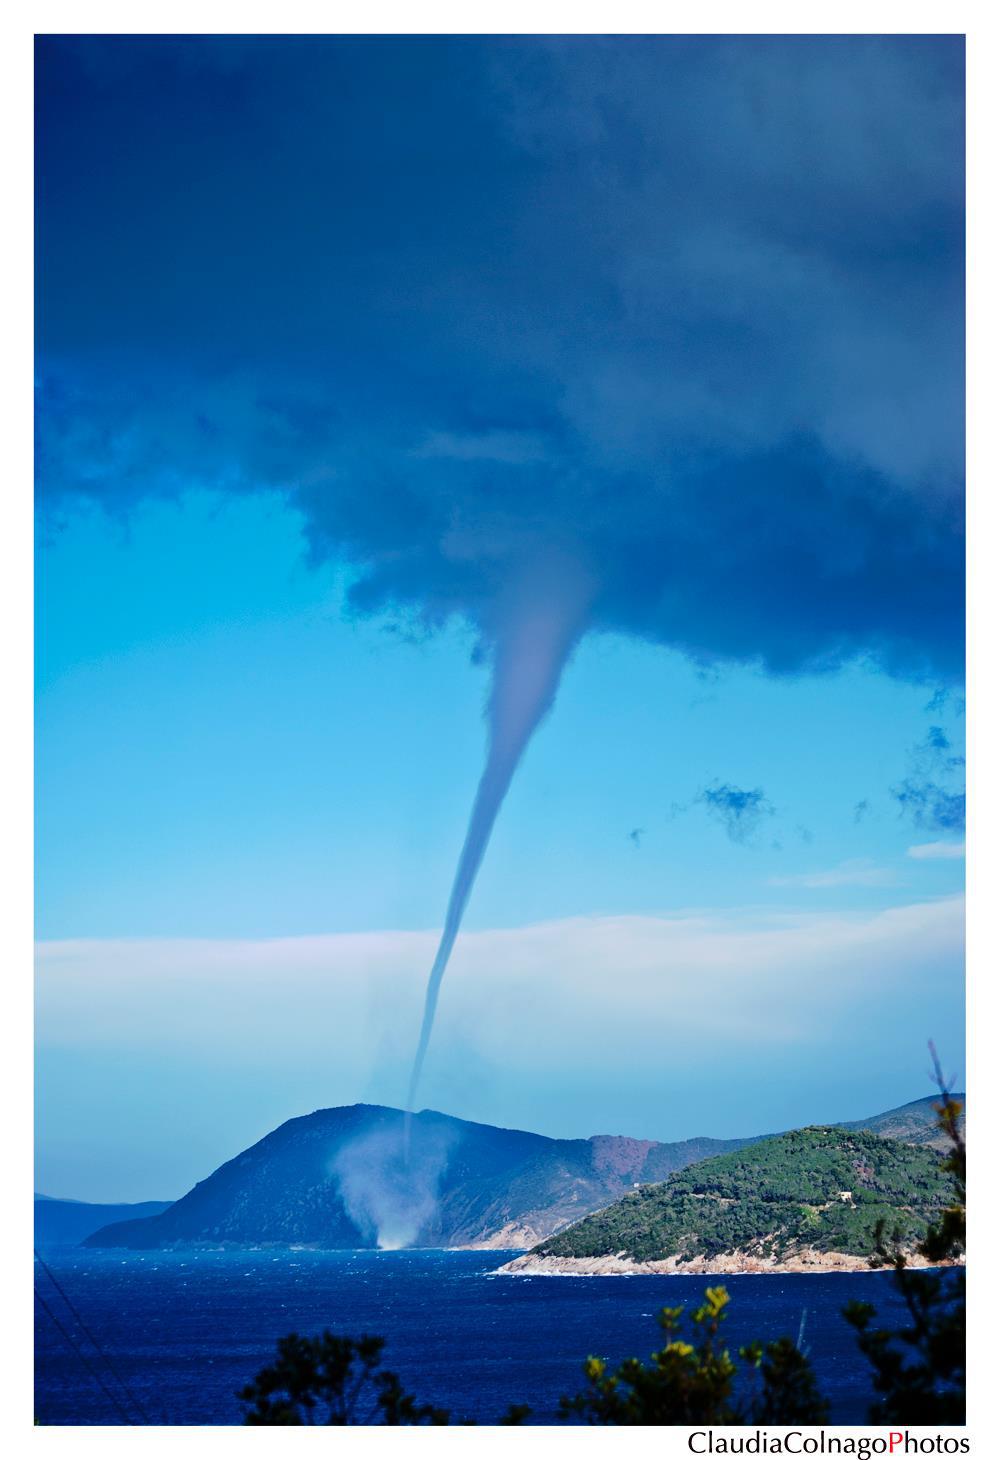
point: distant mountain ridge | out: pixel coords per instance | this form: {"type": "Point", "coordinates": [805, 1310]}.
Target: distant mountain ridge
{"type": "Point", "coordinates": [481, 1185]}
{"type": "Point", "coordinates": [59, 1221]}
{"type": "Point", "coordinates": [915, 1123]}
{"type": "Point", "coordinates": [341, 1178]}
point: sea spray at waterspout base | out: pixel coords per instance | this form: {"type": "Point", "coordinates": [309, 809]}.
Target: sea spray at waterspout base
{"type": "Point", "coordinates": [389, 1182]}
{"type": "Point", "coordinates": [532, 648]}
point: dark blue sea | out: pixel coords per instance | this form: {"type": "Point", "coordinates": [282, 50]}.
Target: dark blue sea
{"type": "Point", "coordinates": [185, 1331]}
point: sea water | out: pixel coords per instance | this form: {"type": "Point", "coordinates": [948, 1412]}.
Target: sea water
{"type": "Point", "coordinates": [185, 1331]}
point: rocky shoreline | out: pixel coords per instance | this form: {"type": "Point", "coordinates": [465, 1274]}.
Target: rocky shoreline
{"type": "Point", "coordinates": [725, 1264]}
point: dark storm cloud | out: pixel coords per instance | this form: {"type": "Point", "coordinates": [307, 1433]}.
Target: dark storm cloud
{"type": "Point", "coordinates": [685, 311]}
{"type": "Point", "coordinates": [740, 812]}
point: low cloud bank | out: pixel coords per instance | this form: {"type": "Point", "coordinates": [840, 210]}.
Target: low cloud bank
{"type": "Point", "coordinates": [606, 983]}
{"type": "Point", "coordinates": [170, 1055]}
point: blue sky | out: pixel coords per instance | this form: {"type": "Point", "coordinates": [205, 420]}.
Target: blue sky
{"type": "Point", "coordinates": [252, 762]}
{"type": "Point", "coordinates": [341, 345]}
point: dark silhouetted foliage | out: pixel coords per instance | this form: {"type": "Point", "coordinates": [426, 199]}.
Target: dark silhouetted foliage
{"type": "Point", "coordinates": [919, 1370]}
{"type": "Point", "coordinates": [688, 1383]}
{"type": "Point", "coordinates": [788, 1392]}
{"type": "Point", "coordinates": [332, 1381]}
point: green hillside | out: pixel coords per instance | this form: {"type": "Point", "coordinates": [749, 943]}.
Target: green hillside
{"type": "Point", "coordinates": [770, 1199]}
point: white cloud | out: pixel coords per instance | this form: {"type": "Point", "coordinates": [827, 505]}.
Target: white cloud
{"type": "Point", "coordinates": [936, 851]}
{"type": "Point", "coordinates": [158, 1059]}
{"type": "Point", "coordinates": [858, 873]}
{"type": "Point", "coordinates": [585, 992]}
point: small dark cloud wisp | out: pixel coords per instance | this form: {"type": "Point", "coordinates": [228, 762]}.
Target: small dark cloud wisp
{"type": "Point", "coordinates": [740, 812]}
{"type": "Point", "coordinates": [930, 806]}
{"type": "Point", "coordinates": [932, 795]}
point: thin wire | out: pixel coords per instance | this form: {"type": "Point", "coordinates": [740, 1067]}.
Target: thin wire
{"type": "Point", "coordinates": [104, 1355]}
{"type": "Point", "coordinates": [85, 1361]}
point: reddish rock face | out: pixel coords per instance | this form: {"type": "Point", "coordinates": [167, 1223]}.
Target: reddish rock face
{"type": "Point", "coordinates": [621, 1156]}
